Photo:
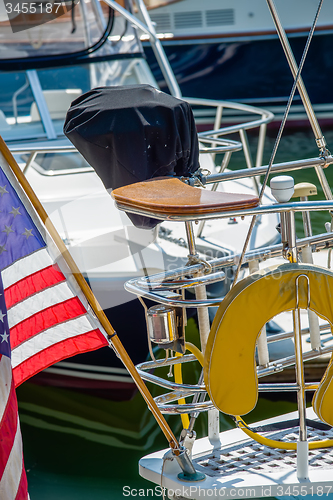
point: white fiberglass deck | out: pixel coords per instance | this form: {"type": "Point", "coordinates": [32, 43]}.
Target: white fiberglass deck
{"type": "Point", "coordinates": [243, 468]}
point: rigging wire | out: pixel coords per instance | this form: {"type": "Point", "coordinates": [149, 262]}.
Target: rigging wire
{"type": "Point", "coordinates": [278, 139]}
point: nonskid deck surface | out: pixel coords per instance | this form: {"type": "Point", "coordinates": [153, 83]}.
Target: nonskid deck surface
{"type": "Point", "coordinates": [243, 468]}
{"type": "Point", "coordinates": [254, 457]}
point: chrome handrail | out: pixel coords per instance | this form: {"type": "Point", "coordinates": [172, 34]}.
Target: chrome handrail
{"type": "Point", "coordinates": [167, 384]}
{"type": "Point", "coordinates": [185, 408]}
{"type": "Point", "coordinates": [276, 168]}
{"type": "Point", "coordinates": [144, 286]}
{"type": "Point", "coordinates": [174, 284]}
{"type": "Point", "coordinates": [179, 391]}
{"type": "Point", "coordinates": [172, 299]}
{"type": "Point", "coordinates": [226, 146]}
{"type": "Point", "coordinates": [43, 149]}
{"type": "Point", "coordinates": [266, 116]}
{"type": "Point", "coordinates": [320, 242]}
{"type": "Point", "coordinates": [164, 401]}
{"type": "Point", "coordinates": [315, 206]}
{"type": "Point", "coordinates": [288, 361]}
{"type": "Point", "coordinates": [288, 335]}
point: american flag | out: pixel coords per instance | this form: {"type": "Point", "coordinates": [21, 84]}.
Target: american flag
{"type": "Point", "coordinates": [48, 316]}
{"type": "Point", "coordinates": [13, 480]}
{"type": "Point", "coordinates": [44, 318]}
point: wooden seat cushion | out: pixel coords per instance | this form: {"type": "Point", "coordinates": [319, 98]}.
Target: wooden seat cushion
{"type": "Point", "coordinates": [169, 195]}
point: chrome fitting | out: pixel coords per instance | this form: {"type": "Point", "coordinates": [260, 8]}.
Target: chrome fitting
{"type": "Point", "coordinates": [189, 473]}
{"type": "Point", "coordinates": [321, 143]}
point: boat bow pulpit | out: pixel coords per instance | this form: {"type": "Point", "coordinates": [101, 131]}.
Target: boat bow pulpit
{"type": "Point", "coordinates": [262, 460]}
{"type": "Point", "coordinates": [288, 451]}
{"type": "Point", "coordinates": [233, 352]}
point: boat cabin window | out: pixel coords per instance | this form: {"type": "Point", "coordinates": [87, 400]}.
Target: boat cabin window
{"type": "Point", "coordinates": [45, 67]}
{"type": "Point", "coordinates": [27, 98]}
{"type": "Point", "coordinates": [59, 164]}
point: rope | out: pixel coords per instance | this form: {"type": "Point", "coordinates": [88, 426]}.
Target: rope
{"type": "Point", "coordinates": [272, 443]}
{"type": "Point", "coordinates": [194, 350]}
{"type": "Point", "coordinates": [179, 380]}
{"type": "Point", "coordinates": [278, 138]}
{"type": "Point", "coordinates": [289, 424]}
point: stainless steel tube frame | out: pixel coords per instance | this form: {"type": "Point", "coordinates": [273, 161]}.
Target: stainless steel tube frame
{"type": "Point", "coordinates": [185, 283]}
{"type": "Point", "coordinates": [189, 389]}
{"type": "Point", "coordinates": [320, 241]}
{"type": "Point", "coordinates": [266, 116]}
{"type": "Point", "coordinates": [199, 407]}
{"type": "Point", "coordinates": [156, 44]}
{"type": "Point", "coordinates": [142, 286]}
{"type": "Point", "coordinates": [276, 168]}
{"type": "Point", "coordinates": [294, 69]}
{"type": "Point", "coordinates": [286, 335]}
{"type": "Point", "coordinates": [282, 363]}
{"type": "Point", "coordinates": [316, 206]}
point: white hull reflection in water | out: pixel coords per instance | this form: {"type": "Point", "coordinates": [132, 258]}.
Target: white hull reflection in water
{"type": "Point", "coordinates": [107, 423]}
{"type": "Point", "coordinates": [85, 429]}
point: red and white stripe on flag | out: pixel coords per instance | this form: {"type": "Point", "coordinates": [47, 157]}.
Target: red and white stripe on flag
{"type": "Point", "coordinates": [44, 318]}
{"type": "Point", "coordinates": [48, 315]}
{"type": "Point", "coordinates": [47, 320]}
{"type": "Point", "coordinates": [13, 480]}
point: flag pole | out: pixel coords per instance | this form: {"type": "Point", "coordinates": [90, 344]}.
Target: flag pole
{"type": "Point", "coordinates": [113, 337]}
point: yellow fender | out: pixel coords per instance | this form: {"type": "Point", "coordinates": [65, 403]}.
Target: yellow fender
{"type": "Point", "coordinates": [229, 364]}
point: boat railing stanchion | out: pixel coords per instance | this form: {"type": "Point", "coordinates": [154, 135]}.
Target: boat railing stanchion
{"type": "Point", "coordinates": [204, 329]}
{"type": "Point", "coordinates": [282, 189]}
{"type": "Point", "coordinates": [224, 164]}
{"type": "Point", "coordinates": [302, 443]}
{"type": "Point", "coordinates": [261, 144]}
{"type": "Point", "coordinates": [30, 160]}
{"type": "Point", "coordinates": [303, 191]}
{"type": "Point", "coordinates": [200, 291]}
{"type": "Point", "coordinates": [248, 158]}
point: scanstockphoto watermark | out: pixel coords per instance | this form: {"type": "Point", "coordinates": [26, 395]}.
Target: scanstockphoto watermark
{"type": "Point", "coordinates": [189, 492]}
{"type": "Point", "coordinates": [26, 14]}
{"type": "Point", "coordinates": [319, 489]}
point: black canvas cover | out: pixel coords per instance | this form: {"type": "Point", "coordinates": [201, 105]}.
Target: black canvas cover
{"type": "Point", "coordinates": [133, 133]}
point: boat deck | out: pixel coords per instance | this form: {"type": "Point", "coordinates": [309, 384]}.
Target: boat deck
{"type": "Point", "coordinates": [242, 468]}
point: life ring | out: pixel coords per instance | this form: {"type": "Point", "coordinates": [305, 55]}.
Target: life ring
{"type": "Point", "coordinates": [229, 365]}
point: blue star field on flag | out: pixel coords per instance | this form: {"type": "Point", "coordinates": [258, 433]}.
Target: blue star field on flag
{"type": "Point", "coordinates": [4, 328]}
{"type": "Point", "coordinates": [18, 234]}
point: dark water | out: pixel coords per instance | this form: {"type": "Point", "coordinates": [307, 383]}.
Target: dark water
{"type": "Point", "coordinates": [86, 448]}
{"type": "Point", "coordinates": [82, 447]}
